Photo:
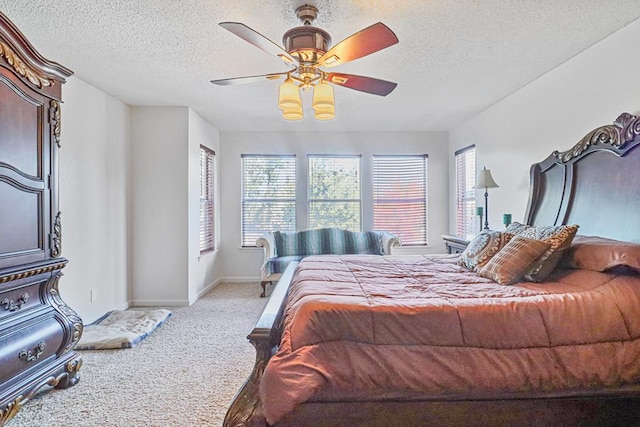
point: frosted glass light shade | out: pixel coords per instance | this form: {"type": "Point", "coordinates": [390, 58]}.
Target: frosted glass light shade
{"type": "Point", "coordinates": [293, 113]}
{"type": "Point", "coordinates": [325, 113]}
{"type": "Point", "coordinates": [289, 96]}
{"type": "Point", "coordinates": [323, 96]}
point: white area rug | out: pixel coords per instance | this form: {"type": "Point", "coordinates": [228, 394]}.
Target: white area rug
{"type": "Point", "coordinates": [121, 329]}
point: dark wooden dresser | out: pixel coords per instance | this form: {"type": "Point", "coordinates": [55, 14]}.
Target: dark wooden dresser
{"type": "Point", "coordinates": [37, 329]}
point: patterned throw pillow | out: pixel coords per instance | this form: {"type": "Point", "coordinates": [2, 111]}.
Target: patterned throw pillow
{"type": "Point", "coordinates": [480, 250]}
{"type": "Point", "coordinates": [508, 265]}
{"type": "Point", "coordinates": [559, 237]}
{"type": "Point", "coordinates": [516, 228]}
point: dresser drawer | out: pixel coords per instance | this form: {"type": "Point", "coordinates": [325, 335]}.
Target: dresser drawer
{"type": "Point", "coordinates": [28, 345]}
{"type": "Point", "coordinates": [20, 295]}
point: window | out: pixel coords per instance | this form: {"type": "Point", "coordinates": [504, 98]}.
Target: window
{"type": "Point", "coordinates": [400, 197]}
{"type": "Point", "coordinates": [334, 192]}
{"type": "Point", "coordinates": [207, 224]}
{"type": "Point", "coordinates": [268, 195]}
{"type": "Point", "coordinates": [465, 193]}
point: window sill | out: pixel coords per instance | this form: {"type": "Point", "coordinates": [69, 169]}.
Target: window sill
{"type": "Point", "coordinates": [207, 254]}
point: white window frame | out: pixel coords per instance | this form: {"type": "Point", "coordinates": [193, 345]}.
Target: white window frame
{"type": "Point", "coordinates": [400, 186]}
{"type": "Point", "coordinates": [207, 200]}
{"type": "Point", "coordinates": [285, 199]}
{"type": "Point", "coordinates": [311, 200]}
{"type": "Point", "coordinates": [465, 160]}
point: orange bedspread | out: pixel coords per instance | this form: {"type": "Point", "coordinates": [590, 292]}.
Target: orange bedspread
{"type": "Point", "coordinates": [359, 327]}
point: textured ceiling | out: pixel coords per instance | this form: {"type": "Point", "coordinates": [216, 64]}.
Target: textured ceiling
{"type": "Point", "coordinates": [455, 57]}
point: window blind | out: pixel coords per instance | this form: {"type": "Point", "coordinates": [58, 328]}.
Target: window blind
{"type": "Point", "coordinates": [207, 224]}
{"type": "Point", "coordinates": [334, 196]}
{"type": "Point", "coordinates": [268, 195]}
{"type": "Point", "coordinates": [465, 193]}
{"type": "Point", "coordinates": [400, 197]}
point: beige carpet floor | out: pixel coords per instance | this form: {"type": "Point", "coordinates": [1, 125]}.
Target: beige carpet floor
{"type": "Point", "coordinates": [184, 374]}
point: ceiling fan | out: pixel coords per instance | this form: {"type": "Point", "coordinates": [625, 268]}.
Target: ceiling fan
{"type": "Point", "coordinates": [307, 50]}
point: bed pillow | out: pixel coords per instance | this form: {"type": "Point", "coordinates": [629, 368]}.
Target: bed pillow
{"type": "Point", "coordinates": [514, 259]}
{"type": "Point", "coordinates": [601, 254]}
{"type": "Point", "coordinates": [480, 250]}
{"type": "Point", "coordinates": [559, 237]}
{"type": "Point", "coordinates": [517, 228]}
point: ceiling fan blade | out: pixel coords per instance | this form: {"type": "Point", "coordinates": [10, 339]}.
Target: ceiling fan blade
{"type": "Point", "coordinates": [365, 42]}
{"type": "Point", "coordinates": [362, 83]}
{"type": "Point", "coordinates": [248, 79]}
{"type": "Point", "coordinates": [258, 40]}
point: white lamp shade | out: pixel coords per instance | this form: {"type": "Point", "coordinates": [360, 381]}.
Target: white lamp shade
{"type": "Point", "coordinates": [485, 180]}
{"type": "Point", "coordinates": [293, 113]}
{"type": "Point", "coordinates": [289, 96]}
{"type": "Point", "coordinates": [323, 96]}
{"type": "Point", "coordinates": [325, 113]}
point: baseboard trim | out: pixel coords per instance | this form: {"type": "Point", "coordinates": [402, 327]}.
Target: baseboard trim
{"type": "Point", "coordinates": [151, 302]}
{"type": "Point", "coordinates": [255, 279]}
{"type": "Point", "coordinates": [158, 302]}
{"type": "Point", "coordinates": [123, 306]}
{"type": "Point", "coordinates": [206, 289]}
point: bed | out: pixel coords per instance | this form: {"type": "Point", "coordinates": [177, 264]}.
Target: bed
{"type": "Point", "coordinates": [424, 340]}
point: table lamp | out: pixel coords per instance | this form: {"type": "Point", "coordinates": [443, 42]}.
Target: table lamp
{"type": "Point", "coordinates": [485, 180]}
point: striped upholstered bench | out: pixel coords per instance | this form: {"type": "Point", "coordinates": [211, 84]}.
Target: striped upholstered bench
{"type": "Point", "coordinates": [280, 248]}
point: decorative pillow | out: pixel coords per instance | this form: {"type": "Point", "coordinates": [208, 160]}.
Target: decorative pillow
{"type": "Point", "coordinates": [601, 254]}
{"type": "Point", "coordinates": [509, 265]}
{"type": "Point", "coordinates": [516, 228]}
{"type": "Point", "coordinates": [480, 250]}
{"type": "Point", "coordinates": [559, 237]}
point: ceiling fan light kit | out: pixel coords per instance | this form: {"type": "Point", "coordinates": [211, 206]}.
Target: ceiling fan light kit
{"type": "Point", "coordinates": [293, 114]}
{"type": "Point", "coordinates": [307, 48]}
{"type": "Point", "coordinates": [325, 114]}
{"type": "Point", "coordinates": [289, 96]}
{"type": "Point", "coordinates": [323, 102]}
{"type": "Point", "coordinates": [323, 96]}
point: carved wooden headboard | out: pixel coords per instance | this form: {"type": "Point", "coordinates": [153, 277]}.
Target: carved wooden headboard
{"type": "Point", "coordinates": [595, 184]}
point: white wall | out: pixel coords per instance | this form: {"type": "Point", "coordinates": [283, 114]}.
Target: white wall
{"type": "Point", "coordinates": [551, 113]}
{"type": "Point", "coordinates": [244, 263]}
{"type": "Point", "coordinates": [205, 269]}
{"type": "Point", "coordinates": [94, 197]}
{"type": "Point", "coordinates": [166, 266]}
{"type": "Point", "coordinates": [159, 206]}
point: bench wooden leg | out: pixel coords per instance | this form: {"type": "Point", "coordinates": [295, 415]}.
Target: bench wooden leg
{"type": "Point", "coordinates": [264, 288]}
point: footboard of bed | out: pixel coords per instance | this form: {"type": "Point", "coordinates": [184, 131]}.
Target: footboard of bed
{"type": "Point", "coordinates": [246, 409]}
{"type": "Point", "coordinates": [594, 411]}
